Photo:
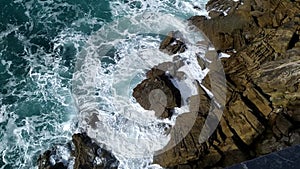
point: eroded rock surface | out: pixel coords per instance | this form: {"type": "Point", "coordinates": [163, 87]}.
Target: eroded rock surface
{"type": "Point", "coordinates": [85, 154]}
{"type": "Point", "coordinates": [173, 43]}
{"type": "Point", "coordinates": [158, 93]}
{"type": "Point", "coordinates": [89, 155]}
{"type": "Point", "coordinates": [48, 161]}
{"type": "Point", "coordinates": [261, 114]}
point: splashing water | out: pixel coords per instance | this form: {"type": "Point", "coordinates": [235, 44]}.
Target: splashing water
{"type": "Point", "coordinates": [44, 50]}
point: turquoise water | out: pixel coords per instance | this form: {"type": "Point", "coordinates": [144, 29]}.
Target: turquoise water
{"type": "Point", "coordinates": [39, 43]}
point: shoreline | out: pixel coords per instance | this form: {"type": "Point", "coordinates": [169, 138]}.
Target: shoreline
{"type": "Point", "coordinates": [261, 113]}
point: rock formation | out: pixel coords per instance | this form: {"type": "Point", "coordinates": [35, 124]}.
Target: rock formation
{"type": "Point", "coordinates": [173, 43]}
{"type": "Point", "coordinates": [88, 154]}
{"type": "Point", "coordinates": [85, 154]}
{"type": "Point", "coordinates": [261, 114]}
{"type": "Point", "coordinates": [157, 92]}
{"type": "Point", "coordinates": [263, 90]}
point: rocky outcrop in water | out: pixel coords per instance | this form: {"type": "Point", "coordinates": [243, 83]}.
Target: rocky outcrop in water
{"type": "Point", "coordinates": [261, 114]}
{"type": "Point", "coordinates": [173, 43]}
{"type": "Point", "coordinates": [158, 93]}
{"type": "Point", "coordinates": [86, 154]}
{"type": "Point", "coordinates": [262, 101]}
{"type": "Point", "coordinates": [45, 161]}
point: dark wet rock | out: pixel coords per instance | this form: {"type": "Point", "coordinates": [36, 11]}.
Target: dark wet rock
{"type": "Point", "coordinates": [44, 161]}
{"type": "Point", "coordinates": [261, 114]}
{"type": "Point", "coordinates": [283, 125]}
{"type": "Point", "coordinates": [214, 14]}
{"type": "Point", "coordinates": [86, 154]}
{"type": "Point", "coordinates": [158, 93]}
{"type": "Point", "coordinates": [294, 113]}
{"type": "Point", "coordinates": [203, 63]}
{"type": "Point", "coordinates": [89, 155]}
{"type": "Point", "coordinates": [173, 43]}
{"type": "Point", "coordinates": [53, 158]}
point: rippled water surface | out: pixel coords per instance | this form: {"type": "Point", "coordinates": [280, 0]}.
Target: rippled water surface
{"type": "Point", "coordinates": [44, 46]}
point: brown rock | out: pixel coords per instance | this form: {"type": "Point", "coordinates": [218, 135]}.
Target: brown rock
{"type": "Point", "coordinates": [222, 5]}
{"type": "Point", "coordinates": [173, 43]}
{"type": "Point", "coordinates": [283, 125]}
{"type": "Point", "coordinates": [262, 85]}
{"type": "Point", "coordinates": [44, 161]}
{"type": "Point", "coordinates": [184, 145]}
{"type": "Point", "coordinates": [157, 93]}
{"type": "Point", "coordinates": [87, 153]}
{"type": "Point", "coordinates": [268, 145]}
{"type": "Point", "coordinates": [214, 14]}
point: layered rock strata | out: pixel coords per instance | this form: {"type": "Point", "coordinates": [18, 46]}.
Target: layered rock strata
{"type": "Point", "coordinates": [261, 114]}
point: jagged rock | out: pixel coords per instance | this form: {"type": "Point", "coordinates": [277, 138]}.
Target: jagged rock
{"type": "Point", "coordinates": [269, 145]}
{"type": "Point", "coordinates": [44, 161]}
{"type": "Point", "coordinates": [53, 158]}
{"type": "Point", "coordinates": [89, 155]}
{"type": "Point", "coordinates": [294, 113]}
{"type": "Point", "coordinates": [173, 43]}
{"type": "Point", "coordinates": [214, 14]}
{"type": "Point", "coordinates": [184, 145]}
{"type": "Point", "coordinates": [295, 137]}
{"type": "Point", "coordinates": [227, 6]}
{"type": "Point", "coordinates": [180, 151]}
{"type": "Point", "coordinates": [220, 30]}
{"type": "Point", "coordinates": [158, 93]}
{"type": "Point", "coordinates": [283, 125]}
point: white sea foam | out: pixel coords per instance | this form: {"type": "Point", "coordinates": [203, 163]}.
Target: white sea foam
{"type": "Point", "coordinates": [28, 131]}
{"type": "Point", "coordinates": [41, 115]}
{"type": "Point", "coordinates": [108, 112]}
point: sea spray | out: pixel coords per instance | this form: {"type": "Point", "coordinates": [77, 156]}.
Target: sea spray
{"type": "Point", "coordinates": [107, 111]}
{"type": "Point", "coordinates": [40, 41]}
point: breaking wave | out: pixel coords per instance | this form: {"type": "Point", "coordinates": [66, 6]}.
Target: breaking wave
{"type": "Point", "coordinates": [48, 87]}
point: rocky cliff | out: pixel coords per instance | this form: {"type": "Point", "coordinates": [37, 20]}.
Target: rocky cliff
{"type": "Point", "coordinates": [262, 112]}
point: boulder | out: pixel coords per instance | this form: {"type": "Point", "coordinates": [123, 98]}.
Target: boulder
{"type": "Point", "coordinates": [44, 161]}
{"type": "Point", "coordinates": [85, 154]}
{"type": "Point", "coordinates": [158, 93]}
{"type": "Point", "coordinates": [89, 155]}
{"type": "Point", "coordinates": [173, 43]}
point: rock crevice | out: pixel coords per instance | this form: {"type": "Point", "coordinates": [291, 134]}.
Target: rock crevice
{"type": "Point", "coordinates": [262, 74]}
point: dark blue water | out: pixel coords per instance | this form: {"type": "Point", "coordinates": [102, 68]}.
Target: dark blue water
{"type": "Point", "coordinates": [38, 44]}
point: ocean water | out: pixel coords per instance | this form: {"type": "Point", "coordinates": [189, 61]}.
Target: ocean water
{"type": "Point", "coordinates": [63, 61]}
